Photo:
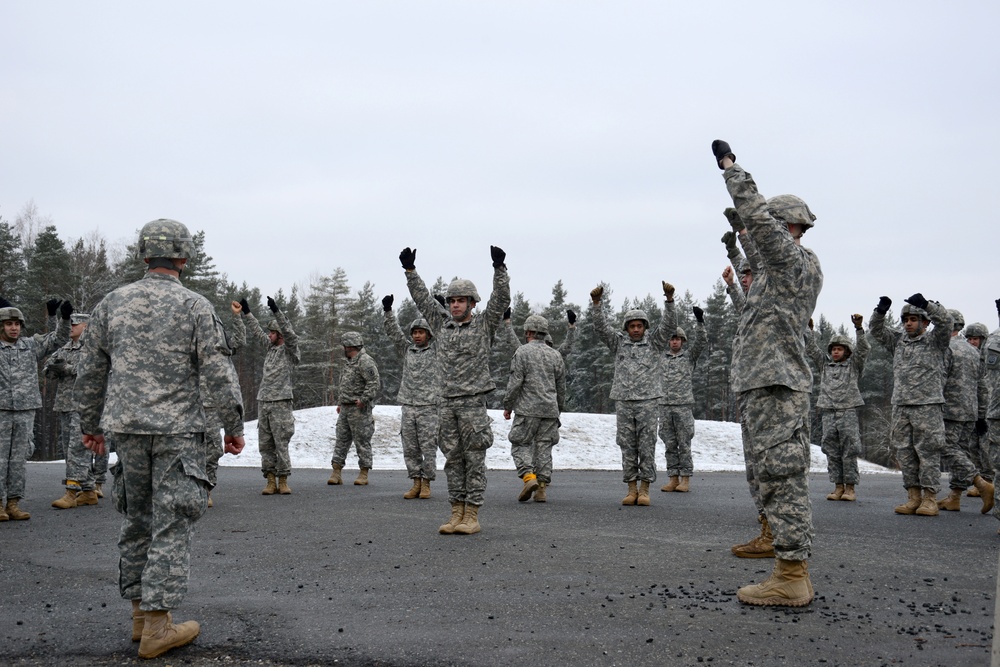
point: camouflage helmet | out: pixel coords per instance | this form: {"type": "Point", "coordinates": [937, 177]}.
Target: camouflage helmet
{"type": "Point", "coordinates": [910, 309]}
{"type": "Point", "coordinates": [273, 326]}
{"type": "Point", "coordinates": [977, 330]}
{"type": "Point", "coordinates": [680, 334]}
{"type": "Point", "coordinates": [743, 267]}
{"type": "Point", "coordinates": [635, 314]}
{"type": "Point", "coordinates": [12, 313]}
{"type": "Point", "coordinates": [842, 341]}
{"type": "Point", "coordinates": [791, 210]}
{"type": "Point", "coordinates": [420, 323]}
{"type": "Point", "coordinates": [957, 320]}
{"type": "Point", "coordinates": [549, 340]}
{"type": "Point", "coordinates": [463, 287]}
{"type": "Point", "coordinates": [165, 238]}
{"type": "Point", "coordinates": [79, 318]}
{"type": "Point", "coordinates": [352, 339]}
{"type": "Point", "coordinates": [536, 323]}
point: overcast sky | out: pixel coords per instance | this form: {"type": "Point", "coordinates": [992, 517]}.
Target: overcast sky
{"type": "Point", "coordinates": [303, 136]}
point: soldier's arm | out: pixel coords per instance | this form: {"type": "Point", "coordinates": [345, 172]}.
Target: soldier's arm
{"type": "Point", "coordinates": [499, 300]}
{"type": "Point", "coordinates": [238, 338]}
{"type": "Point", "coordinates": [370, 372]}
{"type": "Point", "coordinates": [699, 343]}
{"type": "Point", "coordinates": [214, 370]}
{"type": "Point", "coordinates": [737, 296]}
{"type": "Point", "coordinates": [426, 304]}
{"type": "Point", "coordinates": [812, 349]}
{"type": "Point", "coordinates": [604, 332]}
{"type": "Point", "coordinates": [92, 375]}
{"type": "Point", "coordinates": [878, 330]}
{"type": "Point", "coordinates": [941, 334]}
{"type": "Point", "coordinates": [391, 327]}
{"type": "Point", "coordinates": [567, 345]}
{"type": "Point", "coordinates": [507, 332]}
{"type": "Point", "coordinates": [46, 344]}
{"type": "Point", "coordinates": [254, 332]}
{"type": "Point", "coordinates": [668, 325]}
{"type": "Point", "coordinates": [735, 256]}
{"type": "Point", "coordinates": [771, 238]}
{"type": "Point", "coordinates": [291, 343]}
{"type": "Point", "coordinates": [862, 347]}
{"type": "Point", "coordinates": [514, 382]}
{"type": "Point", "coordinates": [561, 386]}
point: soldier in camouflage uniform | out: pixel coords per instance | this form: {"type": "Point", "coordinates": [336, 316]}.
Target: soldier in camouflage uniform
{"type": "Point", "coordinates": [19, 398]}
{"type": "Point", "coordinates": [839, 400]}
{"type": "Point", "coordinates": [536, 395]}
{"type": "Point", "coordinates": [464, 340]}
{"type": "Point", "coordinates": [636, 390]}
{"type": "Point", "coordinates": [978, 446]}
{"type": "Point", "coordinates": [676, 416]}
{"type": "Point", "coordinates": [359, 385]}
{"type": "Point", "coordinates": [150, 358]}
{"type": "Point", "coordinates": [919, 364]}
{"type": "Point", "coordinates": [419, 395]}
{"type": "Point", "coordinates": [61, 366]}
{"type": "Point", "coordinates": [991, 363]}
{"type": "Point", "coordinates": [507, 331]}
{"type": "Point", "coordinates": [771, 376]}
{"type": "Point", "coordinates": [964, 389]}
{"type": "Point", "coordinates": [275, 418]}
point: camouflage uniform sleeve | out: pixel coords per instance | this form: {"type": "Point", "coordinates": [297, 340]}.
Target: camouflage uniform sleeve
{"type": "Point", "coordinates": [507, 331]}
{"type": "Point", "coordinates": [212, 367]}
{"type": "Point", "coordinates": [881, 333]}
{"type": "Point", "coordinates": [604, 332]}
{"type": "Point", "coordinates": [772, 239]}
{"type": "Point", "coordinates": [737, 296]}
{"type": "Point", "coordinates": [370, 373]}
{"type": "Point", "coordinates": [291, 343]}
{"type": "Point", "coordinates": [46, 344]}
{"type": "Point", "coordinates": [982, 390]}
{"type": "Point", "coordinates": [566, 348]}
{"type": "Point", "coordinates": [861, 349]}
{"type": "Point", "coordinates": [813, 351]}
{"type": "Point", "coordinates": [426, 304]}
{"type": "Point", "coordinates": [57, 366]}
{"type": "Point", "coordinates": [735, 256]}
{"type": "Point", "coordinates": [239, 337]}
{"type": "Point", "coordinates": [92, 374]}
{"type": "Point", "coordinates": [753, 255]}
{"type": "Point", "coordinates": [561, 387]}
{"type": "Point", "coordinates": [941, 334]}
{"type": "Point", "coordinates": [699, 344]}
{"type": "Point", "coordinates": [514, 382]}
{"type": "Point", "coordinates": [497, 305]}
{"type": "Point", "coordinates": [254, 332]}
{"type": "Point", "coordinates": [668, 325]}
{"type": "Point", "coordinates": [391, 327]}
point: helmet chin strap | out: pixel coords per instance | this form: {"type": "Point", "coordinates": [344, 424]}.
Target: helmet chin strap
{"type": "Point", "coordinates": [164, 263]}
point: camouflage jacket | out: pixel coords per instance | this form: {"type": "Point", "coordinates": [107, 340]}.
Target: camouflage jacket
{"type": "Point", "coordinates": [918, 363]}
{"type": "Point", "coordinates": [276, 382]}
{"type": "Point", "coordinates": [637, 364]}
{"type": "Point", "coordinates": [421, 383]}
{"type": "Point", "coordinates": [149, 349]}
{"type": "Point", "coordinates": [537, 384]}
{"type": "Point", "coordinates": [964, 383]}
{"type": "Point", "coordinates": [678, 388]}
{"type": "Point", "coordinates": [507, 331]}
{"type": "Point", "coordinates": [61, 367]}
{"type": "Point", "coordinates": [838, 384]}
{"type": "Point", "coordinates": [464, 348]}
{"type": "Point", "coordinates": [19, 367]}
{"type": "Point", "coordinates": [359, 380]}
{"type": "Point", "coordinates": [991, 374]}
{"type": "Point", "coordinates": [770, 347]}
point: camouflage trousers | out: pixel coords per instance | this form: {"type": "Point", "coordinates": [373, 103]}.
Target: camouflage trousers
{"type": "Point", "coordinates": [953, 456]}
{"type": "Point", "coordinates": [676, 432]}
{"type": "Point", "coordinates": [777, 421]}
{"type": "Point", "coordinates": [465, 434]}
{"type": "Point", "coordinates": [355, 425]}
{"type": "Point", "coordinates": [636, 436]}
{"type": "Point", "coordinates": [161, 487]}
{"type": "Point", "coordinates": [992, 439]}
{"type": "Point", "coordinates": [748, 463]}
{"type": "Point", "coordinates": [17, 443]}
{"type": "Point", "coordinates": [842, 444]}
{"type": "Point", "coordinates": [531, 443]}
{"type": "Point", "coordinates": [79, 459]}
{"type": "Point", "coordinates": [275, 428]}
{"type": "Point", "coordinates": [213, 444]}
{"type": "Point", "coordinates": [418, 431]}
{"type": "Point", "coordinates": [917, 436]}
{"type": "Point", "coordinates": [978, 451]}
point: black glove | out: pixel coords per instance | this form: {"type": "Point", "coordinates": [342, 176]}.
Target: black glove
{"type": "Point", "coordinates": [917, 300]}
{"type": "Point", "coordinates": [699, 314]}
{"type": "Point", "coordinates": [407, 258]}
{"type": "Point", "coordinates": [571, 316]}
{"type": "Point", "coordinates": [735, 221]}
{"type": "Point", "coordinates": [883, 305]}
{"type": "Point", "coordinates": [272, 305]}
{"type": "Point", "coordinates": [440, 299]}
{"type": "Point", "coordinates": [4, 303]}
{"type": "Point", "coordinates": [982, 428]}
{"type": "Point", "coordinates": [498, 256]}
{"type": "Point", "coordinates": [721, 149]}
{"type": "Point", "coordinates": [997, 302]}
{"type": "Point", "coordinates": [66, 309]}
{"type": "Point", "coordinates": [729, 240]}
{"type": "Point", "coordinates": [387, 303]}
{"type": "Point", "coordinates": [52, 305]}
{"type": "Point", "coordinates": [245, 306]}
{"type": "Point", "coordinates": [506, 313]}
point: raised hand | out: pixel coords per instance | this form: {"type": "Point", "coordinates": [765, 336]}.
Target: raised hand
{"type": "Point", "coordinates": [387, 303]}
{"type": "Point", "coordinates": [408, 258]}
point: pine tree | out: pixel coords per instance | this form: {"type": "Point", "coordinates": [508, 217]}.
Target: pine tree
{"type": "Point", "coordinates": [11, 264]}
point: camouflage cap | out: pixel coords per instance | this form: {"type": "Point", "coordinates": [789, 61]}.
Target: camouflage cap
{"type": "Point", "coordinates": [910, 309]}
{"type": "Point", "coordinates": [273, 326]}
{"type": "Point", "coordinates": [165, 238]}
{"type": "Point", "coordinates": [842, 341]}
{"type": "Point", "coordinates": [536, 323]}
{"type": "Point", "coordinates": [421, 323]}
{"type": "Point", "coordinates": [976, 330]}
{"type": "Point", "coordinates": [462, 287]}
{"type": "Point", "coordinates": [680, 334]}
{"type": "Point", "coordinates": [11, 313]}
{"type": "Point", "coordinates": [79, 318]}
{"type": "Point", "coordinates": [635, 314]}
{"type": "Point", "coordinates": [790, 210]}
{"type": "Point", "coordinates": [352, 339]}
{"type": "Point", "coordinates": [957, 319]}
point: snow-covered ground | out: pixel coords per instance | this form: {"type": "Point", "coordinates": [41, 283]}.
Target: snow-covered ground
{"type": "Point", "coordinates": [587, 442]}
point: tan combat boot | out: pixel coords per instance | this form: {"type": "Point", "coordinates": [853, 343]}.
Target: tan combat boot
{"type": "Point", "coordinates": [670, 485]}
{"type": "Point", "coordinates": [928, 505]}
{"type": "Point", "coordinates": [3, 514]}
{"type": "Point", "coordinates": [283, 487]}
{"type": "Point", "coordinates": [973, 493]}
{"type": "Point", "coordinates": [530, 484]}
{"type": "Point", "coordinates": [953, 502]}
{"type": "Point", "coordinates": [849, 493]}
{"type": "Point", "coordinates": [643, 497]}
{"type": "Point", "coordinates": [911, 505]}
{"type": "Point", "coordinates": [761, 546]}
{"type": "Point", "coordinates": [138, 620]}
{"type": "Point", "coordinates": [86, 498]}
{"type": "Point", "coordinates": [837, 494]}
{"type": "Point", "coordinates": [99, 490]}
{"type": "Point", "coordinates": [66, 501]}
{"type": "Point", "coordinates": [985, 488]}
{"type": "Point", "coordinates": [425, 489]}
{"type": "Point", "coordinates": [362, 479]}
{"type": "Point", "coordinates": [335, 477]}
{"type": "Point", "coordinates": [160, 634]}
{"type": "Point", "coordinates": [271, 487]}
{"type": "Point", "coordinates": [540, 493]}
{"type": "Point", "coordinates": [685, 485]}
{"type": "Point", "coordinates": [788, 586]}
{"type": "Point", "coordinates": [457, 512]}
{"type": "Point", "coordinates": [15, 512]}
{"type": "Point", "coordinates": [470, 522]}
{"type": "Point", "coordinates": [414, 490]}
{"type": "Point", "coordinates": [633, 494]}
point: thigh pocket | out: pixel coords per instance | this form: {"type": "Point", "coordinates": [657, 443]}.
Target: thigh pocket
{"type": "Point", "coordinates": [481, 435]}
{"type": "Point", "coordinates": [782, 452]}
{"type": "Point", "coordinates": [118, 487]}
{"type": "Point", "coordinates": [190, 497]}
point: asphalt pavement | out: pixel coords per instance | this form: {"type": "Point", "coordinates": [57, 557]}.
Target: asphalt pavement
{"type": "Point", "coordinates": [355, 575]}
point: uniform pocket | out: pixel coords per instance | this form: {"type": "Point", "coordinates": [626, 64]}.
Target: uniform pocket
{"type": "Point", "coordinates": [190, 498]}
{"type": "Point", "coordinates": [118, 487]}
